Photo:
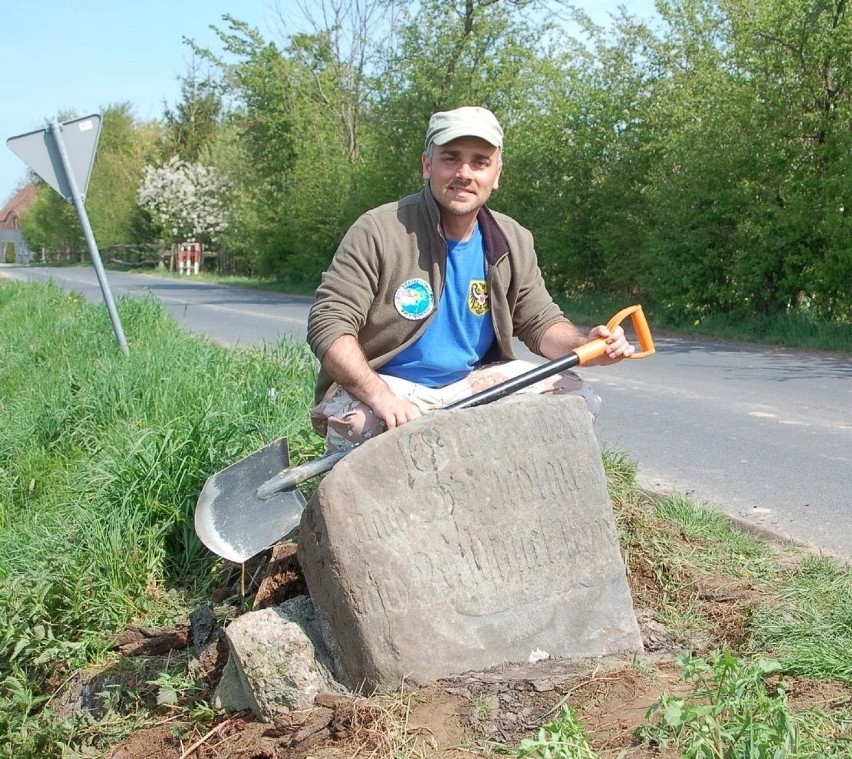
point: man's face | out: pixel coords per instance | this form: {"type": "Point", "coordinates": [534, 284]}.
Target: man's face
{"type": "Point", "coordinates": [462, 174]}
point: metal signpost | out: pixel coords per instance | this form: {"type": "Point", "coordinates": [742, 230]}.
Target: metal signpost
{"type": "Point", "coordinates": [63, 156]}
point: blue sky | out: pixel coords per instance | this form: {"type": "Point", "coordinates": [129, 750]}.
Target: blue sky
{"type": "Point", "coordinates": [79, 57]}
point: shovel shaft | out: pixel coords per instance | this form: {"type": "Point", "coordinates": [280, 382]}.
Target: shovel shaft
{"type": "Point", "coordinates": [518, 383]}
{"type": "Point", "coordinates": [290, 478]}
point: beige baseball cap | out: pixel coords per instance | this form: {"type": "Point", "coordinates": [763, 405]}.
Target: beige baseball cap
{"type": "Point", "coordinates": [468, 121]}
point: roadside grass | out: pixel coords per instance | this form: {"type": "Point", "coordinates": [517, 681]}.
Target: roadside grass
{"type": "Point", "coordinates": [102, 457]}
{"type": "Point", "coordinates": [101, 460]}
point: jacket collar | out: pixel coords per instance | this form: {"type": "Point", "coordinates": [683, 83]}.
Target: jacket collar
{"type": "Point", "coordinates": [496, 243]}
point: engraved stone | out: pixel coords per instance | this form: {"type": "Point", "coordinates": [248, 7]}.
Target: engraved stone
{"type": "Point", "coordinates": [466, 539]}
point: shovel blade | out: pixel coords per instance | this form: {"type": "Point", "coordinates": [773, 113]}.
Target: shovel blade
{"type": "Point", "coordinates": [232, 520]}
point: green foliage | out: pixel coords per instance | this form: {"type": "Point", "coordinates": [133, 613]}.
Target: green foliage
{"type": "Point", "coordinates": [125, 146]}
{"type": "Point", "coordinates": [729, 715]}
{"type": "Point", "coordinates": [51, 224]}
{"type": "Point", "coordinates": [192, 125]}
{"type": "Point", "coordinates": [285, 153]}
{"type": "Point", "coordinates": [563, 738]}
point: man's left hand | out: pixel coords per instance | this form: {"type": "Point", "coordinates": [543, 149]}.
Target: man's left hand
{"type": "Point", "coordinates": [618, 347]}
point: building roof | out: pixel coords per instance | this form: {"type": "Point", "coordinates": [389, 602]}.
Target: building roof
{"type": "Point", "coordinates": [20, 202]}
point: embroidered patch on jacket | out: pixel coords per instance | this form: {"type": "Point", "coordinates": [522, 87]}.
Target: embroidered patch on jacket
{"type": "Point", "coordinates": [477, 297]}
{"type": "Point", "coordinates": [414, 299]}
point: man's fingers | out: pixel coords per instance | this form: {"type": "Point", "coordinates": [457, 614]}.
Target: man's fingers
{"type": "Point", "coordinates": [398, 416]}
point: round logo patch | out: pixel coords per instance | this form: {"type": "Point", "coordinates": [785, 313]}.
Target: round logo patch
{"type": "Point", "coordinates": [414, 299]}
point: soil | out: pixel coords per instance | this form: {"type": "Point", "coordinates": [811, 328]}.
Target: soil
{"type": "Point", "coordinates": [478, 714]}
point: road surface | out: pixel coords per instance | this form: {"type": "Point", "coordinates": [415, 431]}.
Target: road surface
{"type": "Point", "coordinates": [762, 434]}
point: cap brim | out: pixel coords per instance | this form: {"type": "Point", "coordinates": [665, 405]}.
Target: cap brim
{"type": "Point", "coordinates": [453, 134]}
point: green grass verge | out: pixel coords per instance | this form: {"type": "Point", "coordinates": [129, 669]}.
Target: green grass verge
{"type": "Point", "coordinates": [102, 457]}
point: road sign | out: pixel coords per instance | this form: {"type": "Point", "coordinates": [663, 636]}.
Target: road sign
{"type": "Point", "coordinates": [39, 150]}
{"type": "Point", "coordinates": [62, 156]}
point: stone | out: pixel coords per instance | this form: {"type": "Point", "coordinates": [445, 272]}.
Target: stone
{"type": "Point", "coordinates": [276, 661]}
{"type": "Point", "coordinates": [203, 627]}
{"type": "Point", "coordinates": [466, 539]}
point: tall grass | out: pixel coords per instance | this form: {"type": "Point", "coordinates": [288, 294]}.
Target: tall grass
{"type": "Point", "coordinates": [102, 457]}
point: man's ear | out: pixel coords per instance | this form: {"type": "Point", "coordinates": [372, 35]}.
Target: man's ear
{"type": "Point", "coordinates": [427, 166]}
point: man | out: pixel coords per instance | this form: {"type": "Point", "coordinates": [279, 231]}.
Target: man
{"type": "Point", "coordinates": [423, 297]}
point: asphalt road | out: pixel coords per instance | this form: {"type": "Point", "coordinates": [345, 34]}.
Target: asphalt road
{"type": "Point", "coordinates": [762, 434]}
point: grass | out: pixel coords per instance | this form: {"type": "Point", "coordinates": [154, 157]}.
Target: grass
{"type": "Point", "coordinates": [101, 461]}
{"type": "Point", "coordinates": [811, 626]}
{"type": "Point", "coordinates": [102, 457]}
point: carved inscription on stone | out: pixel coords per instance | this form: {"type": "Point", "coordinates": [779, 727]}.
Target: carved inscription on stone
{"type": "Point", "coordinates": [500, 521]}
{"type": "Point", "coordinates": [467, 538]}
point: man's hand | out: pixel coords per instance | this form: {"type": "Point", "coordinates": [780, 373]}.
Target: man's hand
{"type": "Point", "coordinates": [345, 362]}
{"type": "Point", "coordinates": [563, 337]}
{"type": "Point", "coordinates": [618, 347]}
{"type": "Point", "coordinates": [393, 410]}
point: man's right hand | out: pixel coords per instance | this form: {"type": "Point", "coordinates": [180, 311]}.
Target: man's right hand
{"type": "Point", "coordinates": [393, 410]}
{"type": "Point", "coordinates": [345, 362]}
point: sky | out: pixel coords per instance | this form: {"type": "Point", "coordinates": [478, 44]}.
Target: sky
{"type": "Point", "coordinates": [59, 57]}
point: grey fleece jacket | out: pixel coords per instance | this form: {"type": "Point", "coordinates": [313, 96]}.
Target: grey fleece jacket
{"type": "Point", "coordinates": [401, 241]}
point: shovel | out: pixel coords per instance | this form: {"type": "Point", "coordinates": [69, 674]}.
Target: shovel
{"type": "Point", "coordinates": [237, 518]}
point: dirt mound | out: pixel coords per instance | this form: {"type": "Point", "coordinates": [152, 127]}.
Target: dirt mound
{"type": "Point", "coordinates": [486, 713]}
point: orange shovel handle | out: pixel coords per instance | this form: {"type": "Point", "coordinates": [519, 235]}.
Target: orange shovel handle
{"type": "Point", "coordinates": [592, 350]}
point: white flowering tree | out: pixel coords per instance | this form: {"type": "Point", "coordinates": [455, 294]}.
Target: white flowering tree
{"type": "Point", "coordinates": [186, 200]}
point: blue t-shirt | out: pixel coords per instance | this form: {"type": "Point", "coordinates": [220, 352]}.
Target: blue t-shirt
{"type": "Point", "coordinates": [461, 332]}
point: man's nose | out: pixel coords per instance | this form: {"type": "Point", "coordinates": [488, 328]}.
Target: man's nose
{"type": "Point", "coordinates": [464, 170]}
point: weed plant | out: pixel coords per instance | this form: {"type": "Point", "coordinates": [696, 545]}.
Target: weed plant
{"type": "Point", "coordinates": [562, 738]}
{"type": "Point", "coordinates": [729, 715]}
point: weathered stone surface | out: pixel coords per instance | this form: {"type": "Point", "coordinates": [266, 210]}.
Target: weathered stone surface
{"type": "Point", "coordinates": [204, 628]}
{"type": "Point", "coordinates": [465, 539]}
{"type": "Point", "coordinates": [276, 661]}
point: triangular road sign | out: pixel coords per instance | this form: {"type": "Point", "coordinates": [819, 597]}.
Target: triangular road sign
{"type": "Point", "coordinates": [41, 153]}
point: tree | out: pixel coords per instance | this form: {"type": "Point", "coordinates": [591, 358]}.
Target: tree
{"type": "Point", "coordinates": [124, 148]}
{"type": "Point", "coordinates": [51, 225]}
{"type": "Point", "coordinates": [192, 125]}
{"type": "Point", "coordinates": [297, 111]}
{"type": "Point", "coordinates": [185, 201]}
{"type": "Point", "coordinates": [798, 57]}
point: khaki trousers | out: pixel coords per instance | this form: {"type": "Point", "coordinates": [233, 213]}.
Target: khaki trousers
{"type": "Point", "coordinates": [346, 421]}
